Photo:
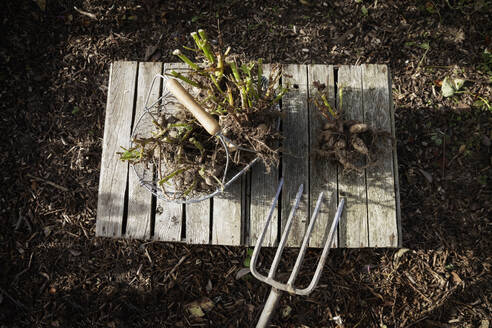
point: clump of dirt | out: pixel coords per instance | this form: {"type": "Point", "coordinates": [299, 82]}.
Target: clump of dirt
{"type": "Point", "coordinates": [352, 144]}
{"type": "Point", "coordinates": [191, 162]}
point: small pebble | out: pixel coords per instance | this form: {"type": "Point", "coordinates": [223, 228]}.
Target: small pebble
{"type": "Point", "coordinates": [486, 141]}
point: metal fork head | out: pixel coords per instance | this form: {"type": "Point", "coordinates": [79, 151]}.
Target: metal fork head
{"type": "Point", "coordinates": [289, 286]}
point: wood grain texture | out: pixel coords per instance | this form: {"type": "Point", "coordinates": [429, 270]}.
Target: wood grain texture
{"type": "Point", "coordinates": [353, 230]}
{"type": "Point", "coordinates": [381, 205]}
{"type": "Point", "coordinates": [226, 216]}
{"type": "Point", "coordinates": [139, 198]}
{"type": "Point", "coordinates": [168, 215]}
{"type": "Point", "coordinates": [117, 130]}
{"type": "Point", "coordinates": [295, 155]}
{"type": "Point", "coordinates": [263, 188]}
{"type": "Point", "coordinates": [323, 173]}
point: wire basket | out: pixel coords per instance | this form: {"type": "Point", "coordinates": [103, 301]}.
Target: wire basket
{"type": "Point", "coordinates": [146, 172]}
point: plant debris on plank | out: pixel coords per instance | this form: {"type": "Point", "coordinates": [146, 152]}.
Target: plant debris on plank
{"type": "Point", "coordinates": [189, 161]}
{"type": "Point", "coordinates": [352, 144]}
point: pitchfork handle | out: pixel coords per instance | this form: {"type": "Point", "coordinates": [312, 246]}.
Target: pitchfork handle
{"type": "Point", "coordinates": [205, 119]}
{"type": "Point", "coordinates": [270, 306]}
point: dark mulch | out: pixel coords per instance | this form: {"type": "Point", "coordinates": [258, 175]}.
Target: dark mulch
{"type": "Point", "coordinates": [55, 273]}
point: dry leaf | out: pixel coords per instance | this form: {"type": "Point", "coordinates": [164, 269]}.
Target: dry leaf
{"type": "Point", "coordinates": [456, 279]}
{"type": "Point", "coordinates": [206, 304]}
{"type": "Point", "coordinates": [399, 254]}
{"type": "Point", "coordinates": [241, 273]}
{"type": "Point", "coordinates": [426, 175]}
{"type": "Point", "coordinates": [198, 308]}
{"type": "Point", "coordinates": [286, 311]}
{"type": "Point", "coordinates": [74, 252]}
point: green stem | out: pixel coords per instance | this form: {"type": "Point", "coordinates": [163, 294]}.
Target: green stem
{"type": "Point", "coordinates": [185, 59]}
{"type": "Point", "coordinates": [205, 46]}
{"type": "Point", "coordinates": [280, 95]}
{"type": "Point", "coordinates": [327, 104]}
{"type": "Point", "coordinates": [214, 80]}
{"type": "Point", "coordinates": [185, 79]}
{"type": "Point", "coordinates": [235, 71]}
{"type": "Point", "coordinates": [170, 176]}
{"type": "Point", "coordinates": [260, 75]}
{"type": "Point", "coordinates": [230, 99]}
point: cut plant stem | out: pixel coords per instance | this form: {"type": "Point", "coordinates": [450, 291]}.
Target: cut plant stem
{"type": "Point", "coordinates": [185, 59]}
{"type": "Point", "coordinates": [206, 46]}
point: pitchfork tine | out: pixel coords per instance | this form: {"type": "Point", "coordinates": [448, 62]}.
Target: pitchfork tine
{"type": "Point", "coordinates": [285, 235]}
{"type": "Point", "coordinates": [277, 286]}
{"type": "Point", "coordinates": [302, 251]}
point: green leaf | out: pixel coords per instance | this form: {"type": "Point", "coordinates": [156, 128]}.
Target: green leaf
{"type": "Point", "coordinates": [75, 110]}
{"type": "Point", "coordinates": [478, 103]}
{"type": "Point", "coordinates": [364, 10]}
{"type": "Point", "coordinates": [194, 19]}
{"type": "Point", "coordinates": [425, 45]}
{"type": "Point", "coordinates": [247, 260]}
{"type": "Point", "coordinates": [409, 44]}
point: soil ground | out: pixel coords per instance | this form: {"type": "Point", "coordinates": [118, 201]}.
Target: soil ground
{"type": "Point", "coordinates": [53, 85]}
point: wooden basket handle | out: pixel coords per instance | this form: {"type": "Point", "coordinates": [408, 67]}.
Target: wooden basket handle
{"type": "Point", "coordinates": [206, 120]}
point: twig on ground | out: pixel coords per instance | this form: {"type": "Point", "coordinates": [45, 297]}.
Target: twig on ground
{"type": "Point", "coordinates": [85, 13]}
{"type": "Point", "coordinates": [13, 300]}
{"type": "Point", "coordinates": [174, 268]}
{"type": "Point", "coordinates": [48, 182]}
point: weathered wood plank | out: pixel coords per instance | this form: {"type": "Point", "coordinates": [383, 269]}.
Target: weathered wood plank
{"type": "Point", "coordinates": [117, 131]}
{"type": "Point", "coordinates": [139, 198]}
{"type": "Point", "coordinates": [226, 216]}
{"type": "Point", "coordinates": [353, 230]}
{"type": "Point", "coordinates": [168, 216]}
{"type": "Point", "coordinates": [263, 189]}
{"type": "Point", "coordinates": [381, 206]}
{"type": "Point", "coordinates": [323, 173]}
{"type": "Point", "coordinates": [295, 154]}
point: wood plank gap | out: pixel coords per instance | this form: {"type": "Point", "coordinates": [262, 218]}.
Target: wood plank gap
{"type": "Point", "coordinates": [365, 171]}
{"type": "Point", "coordinates": [153, 205]}
{"type": "Point", "coordinates": [308, 157]}
{"type": "Point", "coordinates": [125, 203]}
{"type": "Point", "coordinates": [211, 220]}
{"type": "Point", "coordinates": [335, 82]}
{"type": "Point", "coordinates": [245, 208]}
{"type": "Point", "coordinates": [183, 223]}
{"type": "Point", "coordinates": [395, 161]}
{"type": "Point", "coordinates": [280, 170]}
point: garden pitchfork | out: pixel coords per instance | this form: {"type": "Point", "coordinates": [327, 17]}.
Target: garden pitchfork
{"type": "Point", "coordinates": [289, 287]}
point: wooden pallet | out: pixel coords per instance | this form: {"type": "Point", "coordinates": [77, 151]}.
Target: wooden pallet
{"type": "Point", "coordinates": [372, 214]}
